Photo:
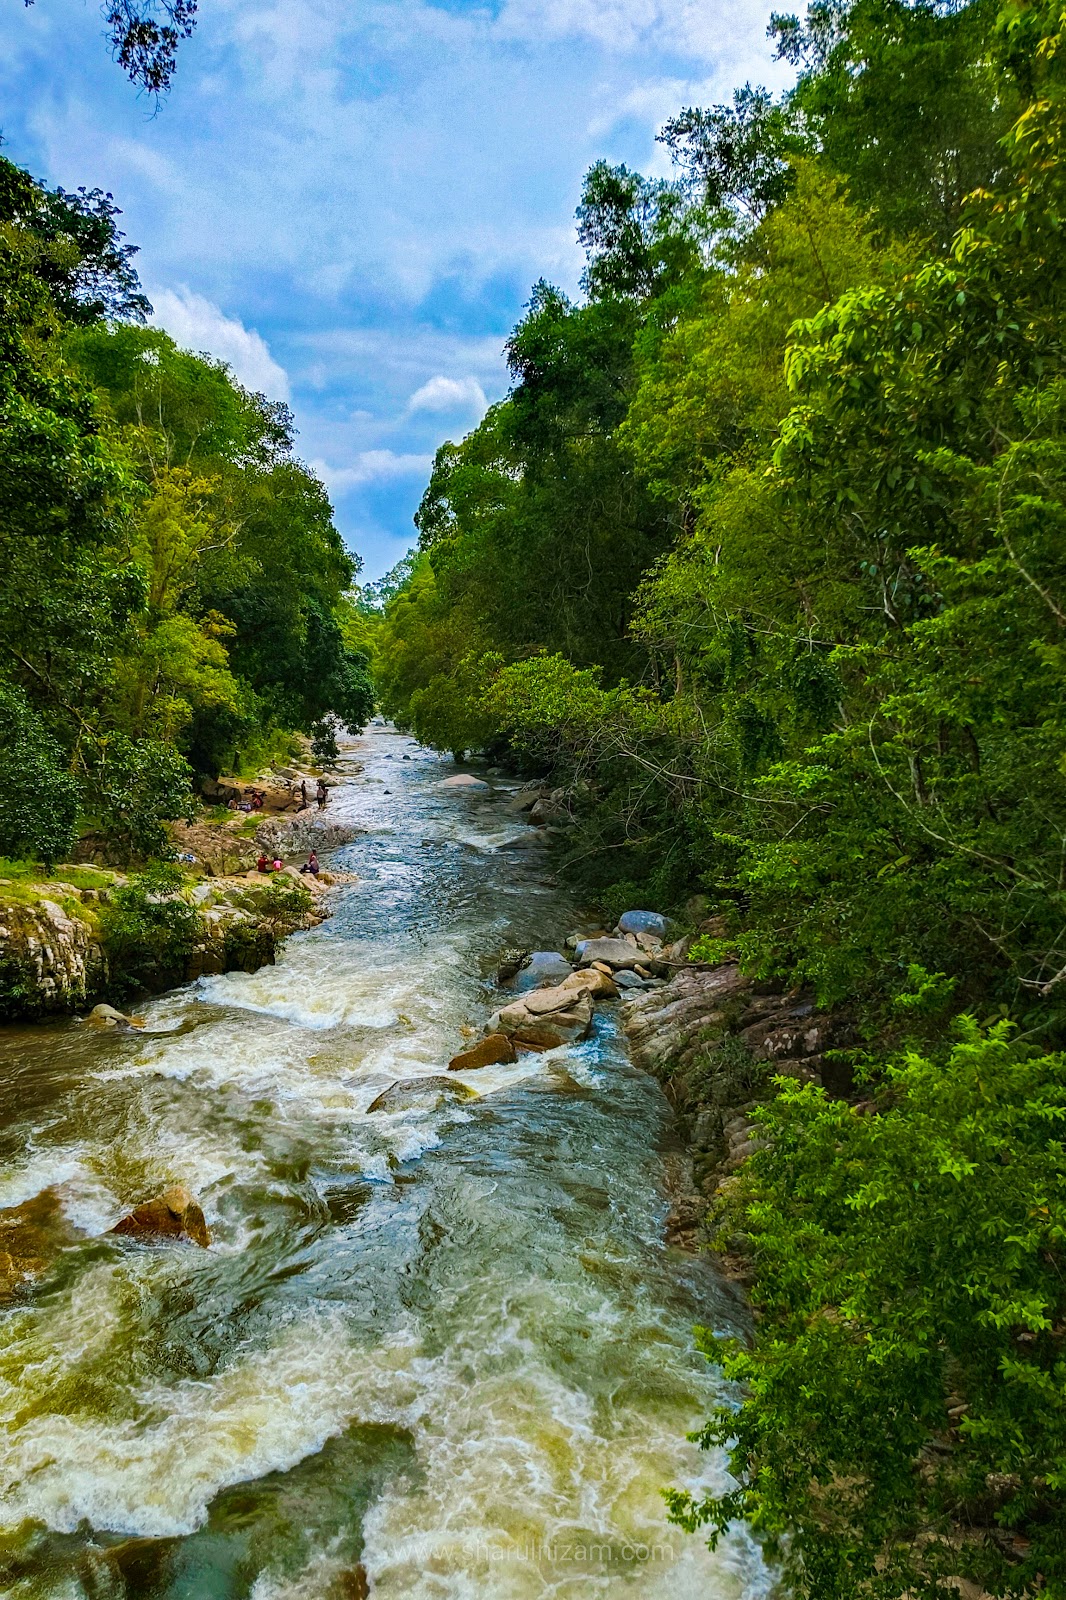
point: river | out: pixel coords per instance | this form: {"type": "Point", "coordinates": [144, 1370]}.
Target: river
{"type": "Point", "coordinates": [447, 1344]}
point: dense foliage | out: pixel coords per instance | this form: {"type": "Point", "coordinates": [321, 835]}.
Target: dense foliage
{"type": "Point", "coordinates": [764, 556]}
{"type": "Point", "coordinates": [172, 588]}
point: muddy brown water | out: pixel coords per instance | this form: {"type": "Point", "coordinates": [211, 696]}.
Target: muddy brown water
{"type": "Point", "coordinates": [441, 1351]}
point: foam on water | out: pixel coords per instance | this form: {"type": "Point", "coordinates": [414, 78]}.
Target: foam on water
{"type": "Point", "coordinates": [484, 1281]}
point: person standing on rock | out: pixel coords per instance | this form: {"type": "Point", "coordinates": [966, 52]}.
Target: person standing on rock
{"type": "Point", "coordinates": [320, 793]}
{"type": "Point", "coordinates": [303, 794]}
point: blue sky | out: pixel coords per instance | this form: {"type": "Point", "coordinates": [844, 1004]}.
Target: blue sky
{"type": "Point", "coordinates": [349, 200]}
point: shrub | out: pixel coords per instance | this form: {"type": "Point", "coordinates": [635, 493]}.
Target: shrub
{"type": "Point", "coordinates": [904, 1410]}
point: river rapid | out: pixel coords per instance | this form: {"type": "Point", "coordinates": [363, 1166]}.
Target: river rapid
{"type": "Point", "coordinates": [442, 1351]}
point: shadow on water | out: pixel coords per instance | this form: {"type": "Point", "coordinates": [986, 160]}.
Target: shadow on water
{"type": "Point", "coordinates": [437, 1350]}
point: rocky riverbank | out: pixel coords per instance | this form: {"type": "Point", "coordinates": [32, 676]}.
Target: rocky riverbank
{"type": "Point", "coordinates": [65, 939]}
{"type": "Point", "coordinates": [713, 1038]}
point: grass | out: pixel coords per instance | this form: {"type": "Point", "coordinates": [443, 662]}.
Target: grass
{"type": "Point", "coordinates": [24, 873]}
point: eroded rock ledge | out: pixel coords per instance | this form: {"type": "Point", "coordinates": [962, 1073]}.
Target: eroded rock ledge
{"type": "Point", "coordinates": [58, 952]}
{"type": "Point", "coordinates": [714, 1039]}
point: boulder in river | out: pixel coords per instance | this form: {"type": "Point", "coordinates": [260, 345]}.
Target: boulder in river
{"type": "Point", "coordinates": [465, 780]}
{"type": "Point", "coordinates": [174, 1214]}
{"type": "Point", "coordinates": [643, 922]}
{"type": "Point", "coordinates": [421, 1094]}
{"type": "Point", "coordinates": [494, 1050]}
{"type": "Point", "coordinates": [547, 1018]}
{"type": "Point", "coordinates": [543, 967]}
{"type": "Point", "coordinates": [613, 953]}
{"type": "Point", "coordinates": [524, 800]}
{"type": "Point", "coordinates": [592, 981]}
{"type": "Point", "coordinates": [510, 962]}
{"type": "Point", "coordinates": [107, 1017]}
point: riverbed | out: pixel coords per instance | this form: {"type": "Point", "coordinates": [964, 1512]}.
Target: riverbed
{"type": "Point", "coordinates": [442, 1351]}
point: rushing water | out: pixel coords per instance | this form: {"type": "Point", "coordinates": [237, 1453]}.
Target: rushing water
{"type": "Point", "coordinates": [447, 1342]}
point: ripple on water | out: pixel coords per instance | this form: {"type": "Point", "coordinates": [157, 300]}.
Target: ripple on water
{"type": "Point", "coordinates": [448, 1343]}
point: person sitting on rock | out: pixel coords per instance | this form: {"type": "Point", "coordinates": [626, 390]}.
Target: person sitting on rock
{"type": "Point", "coordinates": [261, 865]}
{"type": "Point", "coordinates": [278, 865]}
{"type": "Point", "coordinates": [311, 865]}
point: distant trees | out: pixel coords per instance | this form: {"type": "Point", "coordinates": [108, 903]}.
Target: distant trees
{"type": "Point", "coordinates": [171, 583]}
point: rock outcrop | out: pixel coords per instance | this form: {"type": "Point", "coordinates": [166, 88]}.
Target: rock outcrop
{"type": "Point", "coordinates": [51, 952]}
{"type": "Point", "coordinates": [174, 1214]}
{"type": "Point", "coordinates": [409, 1094]}
{"type": "Point", "coordinates": [495, 1049]}
{"type": "Point", "coordinates": [56, 938]}
{"type": "Point", "coordinates": [715, 1040]}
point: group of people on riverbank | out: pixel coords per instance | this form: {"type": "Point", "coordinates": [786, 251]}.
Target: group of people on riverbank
{"type": "Point", "coordinates": [267, 865]}
{"type": "Point", "coordinates": [254, 799]}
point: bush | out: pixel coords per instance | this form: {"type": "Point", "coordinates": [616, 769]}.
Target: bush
{"type": "Point", "coordinates": [904, 1417]}
{"type": "Point", "coordinates": [39, 801]}
{"type": "Point", "coordinates": [149, 931]}
{"type": "Point", "coordinates": [137, 784]}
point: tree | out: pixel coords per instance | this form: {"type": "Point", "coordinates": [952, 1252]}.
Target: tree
{"type": "Point", "coordinates": [145, 35]}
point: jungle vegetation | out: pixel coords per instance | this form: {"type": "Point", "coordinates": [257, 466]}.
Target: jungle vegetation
{"type": "Point", "coordinates": [764, 558]}
{"type": "Point", "coordinates": [172, 588]}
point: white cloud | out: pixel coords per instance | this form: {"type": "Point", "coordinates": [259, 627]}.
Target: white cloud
{"type": "Point", "coordinates": [372, 466]}
{"type": "Point", "coordinates": [452, 395]}
{"type": "Point", "coordinates": [197, 324]}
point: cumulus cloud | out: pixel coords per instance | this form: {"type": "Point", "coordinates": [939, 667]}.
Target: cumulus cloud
{"type": "Point", "coordinates": [372, 466]}
{"type": "Point", "coordinates": [196, 323]}
{"type": "Point", "coordinates": [452, 395]}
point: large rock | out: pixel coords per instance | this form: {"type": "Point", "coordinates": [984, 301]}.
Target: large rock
{"type": "Point", "coordinates": [172, 1215]}
{"type": "Point", "coordinates": [547, 1018]}
{"type": "Point", "coordinates": [465, 780]}
{"type": "Point", "coordinates": [613, 953]}
{"type": "Point", "coordinates": [547, 810]}
{"type": "Point", "coordinates": [593, 982]}
{"type": "Point", "coordinates": [107, 1017]}
{"type": "Point", "coordinates": [543, 967]}
{"type": "Point", "coordinates": [643, 922]}
{"type": "Point", "coordinates": [421, 1094]}
{"type": "Point", "coordinates": [524, 800]}
{"type": "Point", "coordinates": [494, 1050]}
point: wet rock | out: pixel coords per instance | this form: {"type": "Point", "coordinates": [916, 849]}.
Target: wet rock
{"type": "Point", "coordinates": [638, 922]}
{"type": "Point", "coordinates": [421, 1094]}
{"type": "Point", "coordinates": [524, 800]}
{"type": "Point", "coordinates": [530, 840]}
{"type": "Point", "coordinates": [107, 1017]}
{"type": "Point", "coordinates": [543, 967]}
{"type": "Point", "coordinates": [614, 953]}
{"type": "Point", "coordinates": [464, 780]}
{"type": "Point", "coordinates": [561, 1016]}
{"type": "Point", "coordinates": [626, 979]}
{"type": "Point", "coordinates": [494, 1050]}
{"type": "Point", "coordinates": [510, 963]}
{"type": "Point", "coordinates": [547, 810]}
{"type": "Point", "coordinates": [354, 1583]}
{"type": "Point", "coordinates": [175, 1214]}
{"type": "Point", "coordinates": [592, 982]}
